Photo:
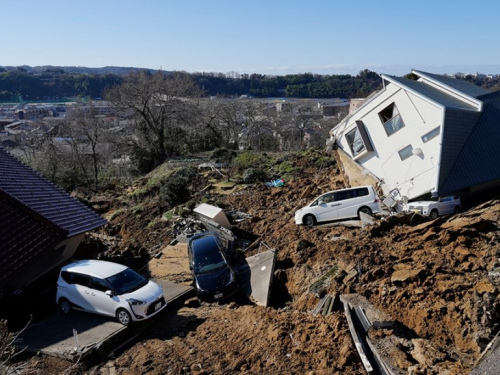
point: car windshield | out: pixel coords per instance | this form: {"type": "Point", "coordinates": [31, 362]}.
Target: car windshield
{"type": "Point", "coordinates": [207, 256]}
{"type": "Point", "coordinates": [127, 281]}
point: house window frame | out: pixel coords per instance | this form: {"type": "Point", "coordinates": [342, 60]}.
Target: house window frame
{"type": "Point", "coordinates": [394, 119]}
{"type": "Point", "coordinates": [403, 152]}
{"type": "Point", "coordinates": [360, 135]}
{"type": "Point", "coordinates": [431, 134]}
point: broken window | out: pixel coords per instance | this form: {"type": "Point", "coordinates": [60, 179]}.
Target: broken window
{"type": "Point", "coordinates": [391, 119]}
{"type": "Point", "coordinates": [406, 152]}
{"type": "Point", "coordinates": [358, 140]}
{"type": "Point", "coordinates": [433, 133]}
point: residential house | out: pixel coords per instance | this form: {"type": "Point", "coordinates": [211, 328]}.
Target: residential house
{"type": "Point", "coordinates": [40, 225]}
{"type": "Point", "coordinates": [435, 134]}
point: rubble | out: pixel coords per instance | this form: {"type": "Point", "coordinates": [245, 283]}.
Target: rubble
{"type": "Point", "coordinates": [437, 279]}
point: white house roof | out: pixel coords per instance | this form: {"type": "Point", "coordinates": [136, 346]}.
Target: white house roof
{"type": "Point", "coordinates": [431, 93]}
{"type": "Point", "coordinates": [457, 84]}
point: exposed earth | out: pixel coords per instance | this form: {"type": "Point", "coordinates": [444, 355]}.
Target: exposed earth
{"type": "Point", "coordinates": [435, 278]}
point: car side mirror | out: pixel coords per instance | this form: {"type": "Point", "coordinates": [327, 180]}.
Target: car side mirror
{"type": "Point", "coordinates": [110, 293]}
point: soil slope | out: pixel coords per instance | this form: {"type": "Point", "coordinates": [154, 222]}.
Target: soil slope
{"type": "Point", "coordinates": [435, 278]}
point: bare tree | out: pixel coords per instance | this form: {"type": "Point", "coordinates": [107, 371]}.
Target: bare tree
{"type": "Point", "coordinates": [84, 134]}
{"type": "Point", "coordinates": [294, 121]}
{"type": "Point", "coordinates": [157, 105]}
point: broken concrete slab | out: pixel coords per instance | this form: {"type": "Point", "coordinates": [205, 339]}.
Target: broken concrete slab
{"type": "Point", "coordinates": [358, 342]}
{"type": "Point", "coordinates": [213, 213]}
{"type": "Point", "coordinates": [78, 334]}
{"type": "Point", "coordinates": [255, 276]}
{"type": "Point", "coordinates": [366, 220]}
{"type": "Point", "coordinates": [171, 264]}
{"type": "Point", "coordinates": [346, 223]}
{"type": "Point", "coordinates": [382, 350]}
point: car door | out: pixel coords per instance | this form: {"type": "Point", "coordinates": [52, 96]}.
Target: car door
{"type": "Point", "coordinates": [327, 208]}
{"type": "Point", "coordinates": [347, 207]}
{"type": "Point", "coordinates": [446, 205]}
{"type": "Point", "coordinates": [78, 292]}
{"type": "Point", "coordinates": [98, 300]}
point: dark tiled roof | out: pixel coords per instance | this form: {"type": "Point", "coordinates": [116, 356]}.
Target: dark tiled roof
{"type": "Point", "coordinates": [40, 197]}
{"type": "Point", "coordinates": [23, 239]}
{"type": "Point", "coordinates": [457, 84]}
{"type": "Point", "coordinates": [479, 160]}
{"type": "Point", "coordinates": [432, 93]}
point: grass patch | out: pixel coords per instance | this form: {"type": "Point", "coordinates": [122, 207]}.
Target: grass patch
{"type": "Point", "coordinates": [113, 215]}
{"type": "Point", "coordinates": [138, 209]}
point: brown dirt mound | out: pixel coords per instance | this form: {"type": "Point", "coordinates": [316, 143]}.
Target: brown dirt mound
{"type": "Point", "coordinates": [431, 277]}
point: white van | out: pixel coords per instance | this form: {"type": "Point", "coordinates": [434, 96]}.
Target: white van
{"type": "Point", "coordinates": [339, 204]}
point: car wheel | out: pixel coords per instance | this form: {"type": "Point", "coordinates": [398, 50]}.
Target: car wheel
{"type": "Point", "coordinates": [365, 210]}
{"type": "Point", "coordinates": [434, 214]}
{"type": "Point", "coordinates": [456, 210]}
{"type": "Point", "coordinates": [123, 316]}
{"type": "Point", "coordinates": [309, 220]}
{"type": "Point", "coordinates": [65, 305]}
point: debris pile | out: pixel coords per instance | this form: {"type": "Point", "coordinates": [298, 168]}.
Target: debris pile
{"type": "Point", "coordinates": [437, 279]}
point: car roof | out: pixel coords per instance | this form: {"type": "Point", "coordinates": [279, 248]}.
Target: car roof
{"type": "Point", "coordinates": [98, 268]}
{"type": "Point", "coordinates": [203, 244]}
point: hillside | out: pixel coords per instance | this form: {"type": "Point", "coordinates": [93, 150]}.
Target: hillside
{"type": "Point", "coordinates": [433, 277]}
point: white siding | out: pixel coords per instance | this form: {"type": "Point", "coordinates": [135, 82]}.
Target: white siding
{"type": "Point", "coordinates": [415, 175]}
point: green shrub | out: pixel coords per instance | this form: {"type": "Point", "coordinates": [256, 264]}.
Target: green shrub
{"type": "Point", "coordinates": [174, 191]}
{"type": "Point", "coordinates": [247, 160]}
{"type": "Point", "coordinates": [222, 155]}
{"type": "Point", "coordinates": [254, 175]}
{"type": "Point", "coordinates": [184, 212]}
{"type": "Point", "coordinates": [191, 205]}
{"type": "Point", "coordinates": [325, 162]}
{"type": "Point", "coordinates": [285, 168]}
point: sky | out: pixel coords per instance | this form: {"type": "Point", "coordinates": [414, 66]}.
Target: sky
{"type": "Point", "coordinates": [273, 37]}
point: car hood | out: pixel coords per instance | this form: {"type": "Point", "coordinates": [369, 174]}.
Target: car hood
{"type": "Point", "coordinates": [148, 292]}
{"type": "Point", "coordinates": [420, 203]}
{"type": "Point", "coordinates": [214, 281]}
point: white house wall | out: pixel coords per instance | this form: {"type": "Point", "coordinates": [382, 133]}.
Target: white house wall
{"type": "Point", "coordinates": [415, 175]}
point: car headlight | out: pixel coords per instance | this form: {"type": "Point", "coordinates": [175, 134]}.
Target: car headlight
{"type": "Point", "coordinates": [231, 279]}
{"type": "Point", "coordinates": [199, 288]}
{"type": "Point", "coordinates": [135, 302]}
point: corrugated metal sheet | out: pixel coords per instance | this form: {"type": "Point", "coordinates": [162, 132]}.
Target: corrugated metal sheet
{"type": "Point", "coordinates": [458, 126]}
{"type": "Point", "coordinates": [479, 159]}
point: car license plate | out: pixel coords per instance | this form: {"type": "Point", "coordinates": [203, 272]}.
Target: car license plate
{"type": "Point", "coordinates": [415, 210]}
{"type": "Point", "coordinates": [157, 306]}
{"type": "Point", "coordinates": [217, 296]}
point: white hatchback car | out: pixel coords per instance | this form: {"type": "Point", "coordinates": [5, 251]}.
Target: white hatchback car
{"type": "Point", "coordinates": [110, 289]}
{"type": "Point", "coordinates": [339, 204]}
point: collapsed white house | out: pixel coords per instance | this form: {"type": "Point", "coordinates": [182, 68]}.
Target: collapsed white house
{"type": "Point", "coordinates": [435, 135]}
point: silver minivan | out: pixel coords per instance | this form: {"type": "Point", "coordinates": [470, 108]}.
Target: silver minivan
{"type": "Point", "coordinates": [339, 204]}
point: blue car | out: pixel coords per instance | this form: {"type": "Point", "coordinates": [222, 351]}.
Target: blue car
{"type": "Point", "coordinates": [213, 276]}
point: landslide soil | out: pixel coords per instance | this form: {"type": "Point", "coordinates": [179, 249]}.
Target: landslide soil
{"type": "Point", "coordinates": [434, 278]}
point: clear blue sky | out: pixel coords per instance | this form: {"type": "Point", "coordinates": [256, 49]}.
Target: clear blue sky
{"type": "Point", "coordinates": [255, 36]}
